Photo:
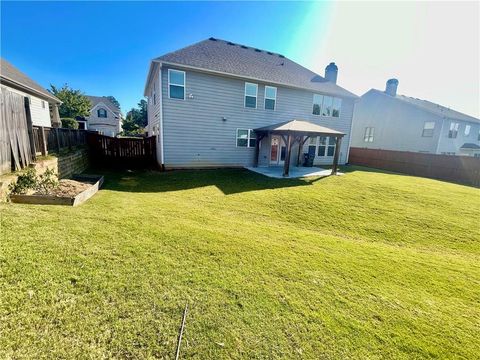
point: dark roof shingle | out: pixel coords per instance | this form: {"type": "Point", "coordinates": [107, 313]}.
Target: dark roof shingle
{"type": "Point", "coordinates": [240, 60]}
{"type": "Point", "coordinates": [97, 99]}
{"type": "Point", "coordinates": [12, 74]}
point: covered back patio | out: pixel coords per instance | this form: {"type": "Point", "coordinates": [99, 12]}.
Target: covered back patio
{"type": "Point", "coordinates": [296, 133]}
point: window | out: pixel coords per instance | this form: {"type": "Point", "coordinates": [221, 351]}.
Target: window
{"type": "Point", "coordinates": [270, 97]}
{"type": "Point", "coordinates": [467, 130]}
{"type": "Point", "coordinates": [317, 104]}
{"type": "Point", "coordinates": [326, 105]}
{"type": "Point", "coordinates": [452, 133]}
{"type": "Point", "coordinates": [326, 146]}
{"type": "Point", "coordinates": [154, 95]}
{"type": "Point", "coordinates": [337, 104]}
{"type": "Point", "coordinates": [312, 145]}
{"type": "Point", "coordinates": [43, 104]}
{"type": "Point", "coordinates": [246, 138]}
{"type": "Point", "coordinates": [102, 113]}
{"type": "Point", "coordinates": [478, 137]}
{"type": "Point", "coordinates": [251, 91]}
{"type": "Point", "coordinates": [369, 132]}
{"type": "Point", "coordinates": [176, 84]}
{"type": "Point", "coordinates": [428, 128]}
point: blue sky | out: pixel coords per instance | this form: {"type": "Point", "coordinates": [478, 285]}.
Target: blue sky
{"type": "Point", "coordinates": [104, 48]}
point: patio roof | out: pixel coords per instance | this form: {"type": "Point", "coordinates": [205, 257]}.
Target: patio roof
{"type": "Point", "coordinates": [299, 127]}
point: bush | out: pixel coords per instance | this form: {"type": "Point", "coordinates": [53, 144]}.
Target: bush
{"type": "Point", "coordinates": [69, 123]}
{"type": "Point", "coordinates": [29, 180]}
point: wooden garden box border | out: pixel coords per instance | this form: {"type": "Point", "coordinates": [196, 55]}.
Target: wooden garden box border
{"type": "Point", "coordinates": [58, 200]}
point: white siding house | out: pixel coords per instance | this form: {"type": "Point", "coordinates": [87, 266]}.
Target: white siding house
{"type": "Point", "coordinates": [105, 117]}
{"type": "Point", "coordinates": [205, 100]}
{"type": "Point", "coordinates": [386, 120]}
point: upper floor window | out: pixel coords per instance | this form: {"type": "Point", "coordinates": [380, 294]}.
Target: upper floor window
{"type": "Point", "coordinates": [452, 133]}
{"type": "Point", "coordinates": [251, 91]}
{"type": "Point", "coordinates": [326, 105]}
{"type": "Point", "coordinates": [467, 130]}
{"type": "Point", "coordinates": [102, 113]}
{"type": "Point", "coordinates": [270, 97]}
{"type": "Point", "coordinates": [369, 132]}
{"type": "Point", "coordinates": [428, 128]}
{"type": "Point", "coordinates": [154, 95]}
{"type": "Point", "coordinates": [246, 138]}
{"type": "Point", "coordinates": [176, 84]}
{"type": "Point", "coordinates": [478, 137]}
{"type": "Point", "coordinates": [43, 104]}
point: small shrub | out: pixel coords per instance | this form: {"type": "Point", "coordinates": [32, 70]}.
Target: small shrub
{"type": "Point", "coordinates": [25, 182]}
{"type": "Point", "coordinates": [69, 123]}
{"type": "Point", "coordinates": [46, 182]}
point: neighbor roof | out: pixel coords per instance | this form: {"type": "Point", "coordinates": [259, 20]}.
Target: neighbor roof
{"type": "Point", "coordinates": [103, 99]}
{"type": "Point", "coordinates": [10, 74]}
{"type": "Point", "coordinates": [243, 61]}
{"type": "Point", "coordinates": [434, 108]}
{"type": "Point", "coordinates": [300, 126]}
{"type": "Point", "coordinates": [471, 146]}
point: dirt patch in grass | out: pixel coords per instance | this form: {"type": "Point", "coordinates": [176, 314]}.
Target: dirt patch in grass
{"type": "Point", "coordinates": [70, 188]}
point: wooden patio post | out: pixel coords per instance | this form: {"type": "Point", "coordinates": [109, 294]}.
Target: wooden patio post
{"type": "Point", "coordinates": [338, 143]}
{"type": "Point", "coordinates": [43, 142]}
{"type": "Point", "coordinates": [257, 150]}
{"type": "Point", "coordinates": [286, 165]}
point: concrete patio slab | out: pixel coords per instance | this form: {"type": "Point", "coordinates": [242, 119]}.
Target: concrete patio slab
{"type": "Point", "coordinates": [295, 172]}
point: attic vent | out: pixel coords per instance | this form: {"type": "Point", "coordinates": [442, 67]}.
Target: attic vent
{"type": "Point", "coordinates": [244, 47]}
{"type": "Point", "coordinates": [212, 39]}
{"type": "Point", "coordinates": [258, 50]}
{"type": "Point", "coordinates": [230, 43]}
{"type": "Point", "coordinates": [269, 53]}
{"type": "Point", "coordinates": [281, 56]}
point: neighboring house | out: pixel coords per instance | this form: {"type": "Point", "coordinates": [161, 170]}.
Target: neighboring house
{"type": "Point", "coordinates": [385, 120]}
{"type": "Point", "coordinates": [43, 105]}
{"type": "Point", "coordinates": [105, 117]}
{"type": "Point", "coordinates": [205, 100]}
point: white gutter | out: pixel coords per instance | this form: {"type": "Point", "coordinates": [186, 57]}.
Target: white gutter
{"type": "Point", "coordinates": [440, 136]}
{"type": "Point", "coordinates": [350, 138]}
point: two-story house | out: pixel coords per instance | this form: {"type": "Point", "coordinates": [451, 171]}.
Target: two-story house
{"type": "Point", "coordinates": [206, 100]}
{"type": "Point", "coordinates": [386, 120]}
{"type": "Point", "coordinates": [105, 117]}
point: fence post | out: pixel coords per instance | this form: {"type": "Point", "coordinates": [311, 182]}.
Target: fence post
{"type": "Point", "coordinates": [69, 139]}
{"type": "Point", "coordinates": [43, 142]}
{"type": "Point", "coordinates": [57, 139]}
{"type": "Point", "coordinates": [30, 129]}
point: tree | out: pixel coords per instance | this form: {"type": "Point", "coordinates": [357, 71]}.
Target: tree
{"type": "Point", "coordinates": [114, 101]}
{"type": "Point", "coordinates": [136, 119]}
{"type": "Point", "coordinates": [69, 123]}
{"type": "Point", "coordinates": [74, 103]}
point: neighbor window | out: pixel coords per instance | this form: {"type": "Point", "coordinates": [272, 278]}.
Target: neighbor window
{"type": "Point", "coordinates": [246, 138]}
{"type": "Point", "coordinates": [467, 130]}
{"type": "Point", "coordinates": [270, 97]}
{"type": "Point", "coordinates": [326, 105]}
{"type": "Point", "coordinates": [428, 128]}
{"type": "Point", "coordinates": [251, 91]}
{"type": "Point", "coordinates": [452, 133]}
{"type": "Point", "coordinates": [154, 95]}
{"type": "Point", "coordinates": [176, 84]}
{"type": "Point", "coordinates": [369, 132]}
{"type": "Point", "coordinates": [43, 104]}
{"type": "Point", "coordinates": [102, 113]}
{"type": "Point", "coordinates": [478, 137]}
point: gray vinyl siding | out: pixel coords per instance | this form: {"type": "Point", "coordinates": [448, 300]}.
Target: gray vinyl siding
{"type": "Point", "coordinates": [196, 136]}
{"type": "Point", "coordinates": [398, 126]}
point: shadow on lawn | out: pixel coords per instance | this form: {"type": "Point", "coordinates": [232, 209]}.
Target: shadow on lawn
{"type": "Point", "coordinates": [229, 181]}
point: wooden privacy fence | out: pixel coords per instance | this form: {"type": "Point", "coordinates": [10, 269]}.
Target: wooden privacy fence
{"type": "Point", "coordinates": [121, 152]}
{"type": "Point", "coordinates": [15, 145]}
{"type": "Point", "coordinates": [461, 169]}
{"type": "Point", "coordinates": [46, 139]}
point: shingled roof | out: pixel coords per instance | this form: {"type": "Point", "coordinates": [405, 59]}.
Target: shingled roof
{"type": "Point", "coordinates": [433, 108]}
{"type": "Point", "coordinates": [250, 63]}
{"type": "Point", "coordinates": [103, 99]}
{"type": "Point", "coordinates": [11, 76]}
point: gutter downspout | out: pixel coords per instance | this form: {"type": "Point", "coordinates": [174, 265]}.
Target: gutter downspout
{"type": "Point", "coordinates": [162, 153]}
{"type": "Point", "coordinates": [440, 136]}
{"type": "Point", "coordinates": [350, 135]}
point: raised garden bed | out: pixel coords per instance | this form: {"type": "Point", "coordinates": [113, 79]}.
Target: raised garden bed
{"type": "Point", "coordinates": [71, 192]}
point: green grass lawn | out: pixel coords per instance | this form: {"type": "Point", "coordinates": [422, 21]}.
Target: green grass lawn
{"type": "Point", "coordinates": [366, 265]}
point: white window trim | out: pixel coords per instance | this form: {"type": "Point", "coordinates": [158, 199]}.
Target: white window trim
{"type": "Point", "coordinates": [469, 127]}
{"type": "Point", "coordinates": [371, 134]}
{"type": "Point", "coordinates": [184, 83]}
{"type": "Point", "coordinates": [249, 131]}
{"type": "Point", "coordinates": [269, 98]}
{"type": "Point", "coordinates": [321, 105]}
{"type": "Point", "coordinates": [102, 117]}
{"type": "Point", "coordinates": [245, 95]}
{"type": "Point", "coordinates": [433, 128]}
